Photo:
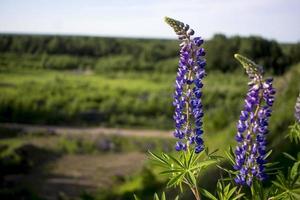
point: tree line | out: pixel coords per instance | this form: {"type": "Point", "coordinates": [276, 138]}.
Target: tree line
{"type": "Point", "coordinates": [124, 54]}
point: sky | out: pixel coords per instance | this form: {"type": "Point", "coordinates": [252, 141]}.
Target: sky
{"type": "Point", "coordinates": [272, 19]}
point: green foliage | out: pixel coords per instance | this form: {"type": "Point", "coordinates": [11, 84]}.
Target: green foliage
{"type": "Point", "coordinates": [126, 82]}
{"type": "Point", "coordinates": [73, 146]}
{"type": "Point", "coordinates": [155, 197]}
{"type": "Point", "coordinates": [223, 192]}
{"type": "Point", "coordinates": [259, 191]}
{"type": "Point", "coordinates": [184, 169]}
{"type": "Point", "coordinates": [288, 185]}
{"type": "Point", "coordinates": [61, 62]}
{"type": "Point", "coordinates": [103, 54]}
{"type": "Point", "coordinates": [134, 100]}
{"type": "Point", "coordinates": [266, 53]}
{"type": "Point", "coordinates": [294, 133]}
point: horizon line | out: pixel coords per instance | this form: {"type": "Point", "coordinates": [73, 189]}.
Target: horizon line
{"type": "Point", "coordinates": [139, 37]}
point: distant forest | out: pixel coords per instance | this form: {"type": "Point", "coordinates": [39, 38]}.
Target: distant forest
{"type": "Point", "coordinates": [106, 55]}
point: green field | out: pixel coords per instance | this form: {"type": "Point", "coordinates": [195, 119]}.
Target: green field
{"type": "Point", "coordinates": [128, 100]}
{"type": "Point", "coordinates": [126, 84]}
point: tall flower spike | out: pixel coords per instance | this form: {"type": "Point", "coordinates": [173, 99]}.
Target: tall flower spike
{"type": "Point", "coordinates": [297, 109]}
{"type": "Point", "coordinates": [188, 89]}
{"type": "Point", "coordinates": [252, 127]}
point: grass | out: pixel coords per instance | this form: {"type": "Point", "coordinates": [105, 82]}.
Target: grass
{"type": "Point", "coordinates": [134, 100]}
{"type": "Point", "coordinates": [123, 100]}
{"type": "Point", "coordinates": [128, 100]}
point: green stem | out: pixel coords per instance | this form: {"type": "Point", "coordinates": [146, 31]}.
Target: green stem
{"type": "Point", "coordinates": [239, 190]}
{"type": "Point", "coordinates": [196, 192]}
{"type": "Point", "coordinates": [194, 189]}
{"type": "Point", "coordinates": [252, 192]}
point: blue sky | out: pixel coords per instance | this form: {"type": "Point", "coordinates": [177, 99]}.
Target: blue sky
{"type": "Point", "coordinates": [273, 19]}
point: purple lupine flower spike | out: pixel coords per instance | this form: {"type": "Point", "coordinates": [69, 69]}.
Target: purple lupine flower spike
{"type": "Point", "coordinates": [297, 109]}
{"type": "Point", "coordinates": [252, 127]}
{"type": "Point", "coordinates": [188, 89]}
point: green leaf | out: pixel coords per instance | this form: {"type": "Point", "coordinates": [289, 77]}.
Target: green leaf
{"type": "Point", "coordinates": [208, 194]}
{"type": "Point", "coordinates": [196, 157]}
{"type": "Point", "coordinates": [165, 156]}
{"type": "Point", "coordinates": [289, 156]}
{"type": "Point", "coordinates": [191, 156]}
{"type": "Point", "coordinates": [288, 186]}
{"type": "Point", "coordinates": [279, 185]}
{"type": "Point", "coordinates": [230, 193]}
{"type": "Point", "coordinates": [163, 196]}
{"type": "Point", "coordinates": [178, 162]}
{"type": "Point", "coordinates": [226, 189]}
{"type": "Point", "coordinates": [214, 151]}
{"type": "Point", "coordinates": [158, 158]}
{"type": "Point", "coordinates": [135, 197]}
{"type": "Point", "coordinates": [238, 196]}
{"type": "Point", "coordinates": [203, 164]}
{"type": "Point", "coordinates": [172, 171]}
{"type": "Point", "coordinates": [294, 133]}
{"type": "Point", "coordinates": [230, 156]}
{"type": "Point", "coordinates": [192, 179]}
{"type": "Point", "coordinates": [156, 197]}
{"type": "Point", "coordinates": [174, 180]}
{"type": "Point", "coordinates": [227, 170]}
{"type": "Point", "coordinates": [295, 170]}
{"type": "Point", "coordinates": [268, 154]}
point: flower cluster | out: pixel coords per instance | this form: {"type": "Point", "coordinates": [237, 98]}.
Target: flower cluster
{"type": "Point", "coordinates": [188, 89]}
{"type": "Point", "coordinates": [297, 109]}
{"type": "Point", "coordinates": [252, 127]}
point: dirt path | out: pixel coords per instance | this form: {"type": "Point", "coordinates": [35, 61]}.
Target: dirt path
{"type": "Point", "coordinates": [74, 174]}
{"type": "Point", "coordinates": [92, 130]}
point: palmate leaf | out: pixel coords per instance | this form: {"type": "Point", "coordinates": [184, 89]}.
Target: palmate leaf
{"type": "Point", "coordinates": [294, 133]}
{"type": "Point", "coordinates": [288, 186]}
{"type": "Point", "coordinates": [223, 192]}
{"type": "Point", "coordinates": [177, 161]}
{"type": "Point", "coordinates": [184, 168]}
{"type": "Point", "coordinates": [203, 164]}
{"type": "Point", "coordinates": [176, 179]}
{"type": "Point", "coordinates": [160, 159]}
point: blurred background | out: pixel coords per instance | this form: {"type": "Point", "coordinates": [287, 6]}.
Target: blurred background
{"type": "Point", "coordinates": [86, 89]}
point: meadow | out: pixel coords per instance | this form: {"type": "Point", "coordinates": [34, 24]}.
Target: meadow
{"type": "Point", "coordinates": [126, 84]}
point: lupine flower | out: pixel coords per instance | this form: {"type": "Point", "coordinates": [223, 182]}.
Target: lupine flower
{"type": "Point", "coordinates": [188, 89]}
{"type": "Point", "coordinates": [252, 126]}
{"type": "Point", "coordinates": [297, 109]}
